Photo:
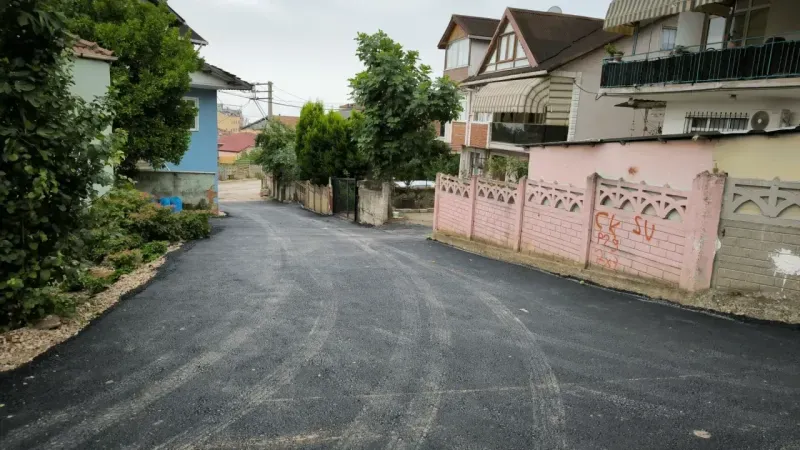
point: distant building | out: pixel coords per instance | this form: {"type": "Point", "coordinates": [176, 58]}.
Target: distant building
{"type": "Point", "coordinates": [234, 146]}
{"type": "Point", "coordinates": [229, 120]}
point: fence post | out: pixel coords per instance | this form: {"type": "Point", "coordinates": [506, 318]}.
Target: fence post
{"type": "Point", "coordinates": [702, 225]}
{"type": "Point", "coordinates": [436, 202]}
{"type": "Point", "coordinates": [589, 196]}
{"type": "Point", "coordinates": [473, 197]}
{"type": "Point", "coordinates": [523, 182]}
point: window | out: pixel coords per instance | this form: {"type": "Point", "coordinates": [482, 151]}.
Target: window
{"type": "Point", "coordinates": [442, 129]}
{"type": "Point", "coordinates": [462, 116]}
{"type": "Point", "coordinates": [749, 22]}
{"type": "Point", "coordinates": [196, 102]}
{"type": "Point", "coordinates": [482, 117]}
{"type": "Point", "coordinates": [715, 32]}
{"type": "Point", "coordinates": [508, 52]}
{"type": "Point", "coordinates": [715, 121]}
{"type": "Point", "coordinates": [457, 54]}
{"type": "Point", "coordinates": [668, 35]}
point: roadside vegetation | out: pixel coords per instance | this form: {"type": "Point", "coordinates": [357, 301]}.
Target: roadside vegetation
{"type": "Point", "coordinates": [56, 237]}
{"type": "Point", "coordinates": [390, 137]}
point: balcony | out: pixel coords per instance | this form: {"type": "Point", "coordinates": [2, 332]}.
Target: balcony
{"type": "Point", "coordinates": [734, 61]}
{"type": "Point", "coordinates": [521, 134]}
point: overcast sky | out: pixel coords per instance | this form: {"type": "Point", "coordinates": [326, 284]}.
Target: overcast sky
{"type": "Point", "coordinates": [307, 47]}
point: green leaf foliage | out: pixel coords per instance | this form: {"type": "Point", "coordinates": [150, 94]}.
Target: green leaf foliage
{"type": "Point", "coordinates": [326, 147]}
{"type": "Point", "coordinates": [52, 152]}
{"type": "Point", "coordinates": [150, 77]}
{"type": "Point", "coordinates": [400, 102]}
{"type": "Point", "coordinates": [277, 154]}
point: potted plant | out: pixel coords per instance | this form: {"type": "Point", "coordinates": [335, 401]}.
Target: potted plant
{"type": "Point", "coordinates": [614, 53]}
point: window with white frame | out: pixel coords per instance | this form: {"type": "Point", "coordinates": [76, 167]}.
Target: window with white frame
{"type": "Point", "coordinates": [457, 54]}
{"type": "Point", "coordinates": [508, 52]}
{"type": "Point", "coordinates": [481, 117]}
{"type": "Point", "coordinates": [196, 102]}
{"type": "Point", "coordinates": [462, 116]}
{"type": "Point", "coordinates": [668, 36]}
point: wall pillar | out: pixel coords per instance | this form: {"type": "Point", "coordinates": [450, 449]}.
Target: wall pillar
{"type": "Point", "coordinates": [523, 182]}
{"type": "Point", "coordinates": [473, 197]}
{"type": "Point", "coordinates": [702, 225]}
{"type": "Point", "coordinates": [436, 202]}
{"type": "Point", "coordinates": [587, 212]}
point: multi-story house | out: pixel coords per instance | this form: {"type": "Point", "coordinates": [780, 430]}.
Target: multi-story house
{"type": "Point", "coordinates": [465, 41]}
{"type": "Point", "coordinates": [712, 65]}
{"type": "Point", "coordinates": [538, 81]}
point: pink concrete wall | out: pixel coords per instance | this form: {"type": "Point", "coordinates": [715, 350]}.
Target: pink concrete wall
{"type": "Point", "coordinates": [552, 222]}
{"type": "Point", "coordinates": [495, 212]}
{"type": "Point", "coordinates": [453, 205]}
{"type": "Point", "coordinates": [673, 163]}
{"type": "Point", "coordinates": [642, 230]}
{"type": "Point", "coordinates": [639, 230]}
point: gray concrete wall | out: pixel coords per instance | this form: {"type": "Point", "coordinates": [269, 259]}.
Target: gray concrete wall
{"type": "Point", "coordinates": [191, 187]}
{"type": "Point", "coordinates": [373, 203]}
{"type": "Point", "coordinates": [759, 248]}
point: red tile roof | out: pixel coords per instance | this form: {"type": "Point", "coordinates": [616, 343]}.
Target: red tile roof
{"type": "Point", "coordinates": [90, 50]}
{"type": "Point", "coordinates": [237, 142]}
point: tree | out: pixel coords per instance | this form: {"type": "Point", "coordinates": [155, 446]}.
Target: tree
{"type": "Point", "coordinates": [150, 77]}
{"type": "Point", "coordinates": [52, 151]}
{"type": "Point", "coordinates": [400, 103]}
{"type": "Point", "coordinates": [326, 146]}
{"type": "Point", "coordinates": [277, 153]}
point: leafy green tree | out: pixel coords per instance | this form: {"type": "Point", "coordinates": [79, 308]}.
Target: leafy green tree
{"type": "Point", "coordinates": [150, 78]}
{"type": "Point", "coordinates": [52, 152]}
{"type": "Point", "coordinates": [326, 146]}
{"type": "Point", "coordinates": [400, 103]}
{"type": "Point", "coordinates": [276, 153]}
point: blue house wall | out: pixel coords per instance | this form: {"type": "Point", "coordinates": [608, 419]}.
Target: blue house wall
{"type": "Point", "coordinates": [202, 153]}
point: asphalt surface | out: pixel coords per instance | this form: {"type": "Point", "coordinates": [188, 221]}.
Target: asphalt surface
{"type": "Point", "coordinates": [288, 330]}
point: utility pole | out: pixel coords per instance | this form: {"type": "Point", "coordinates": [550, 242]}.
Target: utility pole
{"type": "Point", "coordinates": [269, 100]}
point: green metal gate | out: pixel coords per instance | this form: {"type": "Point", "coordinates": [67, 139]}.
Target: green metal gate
{"type": "Point", "coordinates": [345, 197]}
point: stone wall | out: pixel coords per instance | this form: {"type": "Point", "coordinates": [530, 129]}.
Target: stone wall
{"type": "Point", "coordinates": [374, 203]}
{"type": "Point", "coordinates": [759, 237]}
{"type": "Point", "coordinates": [191, 187]}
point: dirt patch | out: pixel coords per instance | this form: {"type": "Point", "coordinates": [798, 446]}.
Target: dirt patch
{"type": "Point", "coordinates": [240, 190]}
{"type": "Point", "coordinates": [20, 346]}
{"type": "Point", "coordinates": [772, 308]}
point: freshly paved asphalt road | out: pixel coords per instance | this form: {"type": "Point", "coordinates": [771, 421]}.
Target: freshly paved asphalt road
{"type": "Point", "coordinates": [287, 330]}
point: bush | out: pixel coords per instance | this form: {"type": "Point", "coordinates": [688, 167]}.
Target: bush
{"type": "Point", "coordinates": [126, 261]}
{"type": "Point", "coordinates": [193, 225]}
{"type": "Point", "coordinates": [153, 250]}
{"type": "Point", "coordinates": [156, 223]}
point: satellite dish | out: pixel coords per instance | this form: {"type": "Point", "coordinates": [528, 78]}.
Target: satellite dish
{"type": "Point", "coordinates": [760, 121]}
{"type": "Point", "coordinates": [555, 9]}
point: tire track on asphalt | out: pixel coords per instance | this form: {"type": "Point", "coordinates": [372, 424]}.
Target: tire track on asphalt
{"type": "Point", "coordinates": [423, 407]}
{"type": "Point", "coordinates": [92, 426]}
{"type": "Point", "coordinates": [281, 376]}
{"type": "Point", "coordinates": [549, 417]}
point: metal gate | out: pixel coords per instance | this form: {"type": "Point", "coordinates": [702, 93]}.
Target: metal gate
{"type": "Point", "coordinates": [345, 197]}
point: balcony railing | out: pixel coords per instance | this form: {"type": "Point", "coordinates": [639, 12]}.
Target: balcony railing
{"type": "Point", "coordinates": [775, 58]}
{"type": "Point", "coordinates": [527, 133]}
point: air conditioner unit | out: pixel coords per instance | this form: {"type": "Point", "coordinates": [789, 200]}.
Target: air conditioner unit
{"type": "Point", "coordinates": [770, 120]}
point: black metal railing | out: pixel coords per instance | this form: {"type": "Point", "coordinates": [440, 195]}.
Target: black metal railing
{"type": "Point", "coordinates": [715, 121]}
{"type": "Point", "coordinates": [527, 133]}
{"type": "Point", "coordinates": [775, 58]}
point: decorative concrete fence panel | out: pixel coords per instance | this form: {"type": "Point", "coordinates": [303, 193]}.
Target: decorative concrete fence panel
{"type": "Point", "coordinates": [759, 237]}
{"type": "Point", "coordinates": [552, 220]}
{"type": "Point", "coordinates": [496, 212]}
{"type": "Point", "coordinates": [452, 205]}
{"type": "Point", "coordinates": [639, 230]}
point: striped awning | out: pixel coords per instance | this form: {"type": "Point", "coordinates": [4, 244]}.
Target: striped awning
{"type": "Point", "coordinates": [715, 7]}
{"type": "Point", "coordinates": [622, 13]}
{"type": "Point", "coordinates": [516, 96]}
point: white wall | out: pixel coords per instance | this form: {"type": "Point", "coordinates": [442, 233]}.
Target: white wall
{"type": "Point", "coordinates": [600, 119]}
{"type": "Point", "coordinates": [477, 52]}
{"type": "Point", "coordinates": [690, 29]}
{"type": "Point", "coordinates": [92, 79]}
{"type": "Point", "coordinates": [675, 116]}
